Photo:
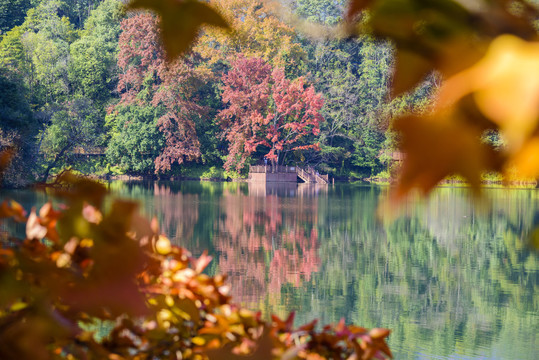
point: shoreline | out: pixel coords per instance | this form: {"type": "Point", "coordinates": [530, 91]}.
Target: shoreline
{"type": "Point", "coordinates": [529, 184]}
{"type": "Point", "coordinates": [339, 179]}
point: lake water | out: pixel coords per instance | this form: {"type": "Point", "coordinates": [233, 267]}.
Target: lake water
{"type": "Point", "coordinates": [451, 280]}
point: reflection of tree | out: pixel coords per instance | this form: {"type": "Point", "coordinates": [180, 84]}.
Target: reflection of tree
{"type": "Point", "coordinates": [445, 278]}
{"type": "Point", "coordinates": [265, 243]}
{"type": "Point", "coordinates": [178, 212]}
{"type": "Point", "coordinates": [295, 261]}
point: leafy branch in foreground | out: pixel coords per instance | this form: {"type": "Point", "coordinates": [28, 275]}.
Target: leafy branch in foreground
{"type": "Point", "coordinates": [80, 266]}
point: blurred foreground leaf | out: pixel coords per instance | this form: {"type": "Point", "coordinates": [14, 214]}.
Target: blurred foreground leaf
{"type": "Point", "coordinates": [181, 21]}
{"type": "Point", "coordinates": [444, 35]}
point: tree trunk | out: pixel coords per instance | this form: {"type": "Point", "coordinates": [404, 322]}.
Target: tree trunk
{"type": "Point", "coordinates": [56, 159]}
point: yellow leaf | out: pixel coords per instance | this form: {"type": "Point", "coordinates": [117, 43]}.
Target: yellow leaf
{"type": "Point", "coordinates": [505, 86]}
{"type": "Point", "coordinates": [86, 243]}
{"type": "Point", "coordinates": [198, 340]}
{"type": "Point", "coordinates": [18, 306]}
{"type": "Point", "coordinates": [526, 160]}
{"type": "Point", "coordinates": [163, 246]}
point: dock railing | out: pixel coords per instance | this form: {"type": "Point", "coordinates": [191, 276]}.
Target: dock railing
{"type": "Point", "coordinates": [308, 175]}
{"type": "Point", "coordinates": [260, 169]}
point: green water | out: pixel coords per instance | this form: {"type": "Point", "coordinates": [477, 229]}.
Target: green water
{"type": "Point", "coordinates": [451, 280]}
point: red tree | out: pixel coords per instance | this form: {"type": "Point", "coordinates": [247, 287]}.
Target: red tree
{"type": "Point", "coordinates": [266, 109]}
{"type": "Point", "coordinates": [147, 79]}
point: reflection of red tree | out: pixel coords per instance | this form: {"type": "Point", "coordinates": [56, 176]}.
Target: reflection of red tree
{"type": "Point", "coordinates": [178, 216]}
{"type": "Point", "coordinates": [266, 242]}
{"type": "Point", "coordinates": [295, 262]}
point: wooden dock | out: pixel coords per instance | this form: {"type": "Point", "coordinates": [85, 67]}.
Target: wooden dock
{"type": "Point", "coordinates": [286, 174]}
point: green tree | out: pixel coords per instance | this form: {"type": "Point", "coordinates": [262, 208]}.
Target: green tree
{"type": "Point", "coordinates": [92, 70]}
{"type": "Point", "coordinates": [79, 10]}
{"type": "Point", "coordinates": [12, 13]}
{"type": "Point", "coordinates": [135, 140]}
{"type": "Point", "coordinates": [75, 126]}
{"type": "Point", "coordinates": [45, 37]}
{"type": "Point", "coordinates": [18, 128]}
{"type": "Point", "coordinates": [328, 12]}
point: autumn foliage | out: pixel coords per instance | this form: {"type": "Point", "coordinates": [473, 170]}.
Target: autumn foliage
{"type": "Point", "coordinates": [81, 267]}
{"type": "Point", "coordinates": [267, 110]}
{"type": "Point", "coordinates": [147, 79]}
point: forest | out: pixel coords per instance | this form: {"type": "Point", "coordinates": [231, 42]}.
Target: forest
{"type": "Point", "coordinates": [86, 85]}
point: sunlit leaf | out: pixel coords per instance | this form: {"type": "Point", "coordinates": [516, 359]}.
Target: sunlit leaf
{"type": "Point", "coordinates": [34, 230]}
{"type": "Point", "coordinates": [181, 21]}
{"type": "Point", "coordinates": [202, 262]}
{"type": "Point", "coordinates": [162, 245]}
{"type": "Point", "coordinates": [505, 85]}
{"type": "Point", "coordinates": [379, 333]}
{"type": "Point", "coordinates": [526, 160]}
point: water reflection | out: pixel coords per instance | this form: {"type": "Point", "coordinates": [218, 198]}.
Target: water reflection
{"type": "Point", "coordinates": [451, 280]}
{"type": "Point", "coordinates": [265, 242]}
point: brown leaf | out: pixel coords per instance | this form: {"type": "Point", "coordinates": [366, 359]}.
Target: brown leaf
{"type": "Point", "coordinates": [411, 68]}
{"type": "Point", "coordinates": [12, 209]}
{"type": "Point", "coordinates": [180, 21]}
{"type": "Point", "coordinates": [437, 146]}
{"type": "Point", "coordinates": [355, 7]}
{"type": "Point", "coordinates": [188, 307]}
{"type": "Point", "coordinates": [286, 325]}
{"type": "Point", "coordinates": [77, 189]}
{"type": "Point", "coordinates": [5, 159]}
{"type": "Point", "coordinates": [116, 296]}
{"type": "Point", "coordinates": [444, 35]}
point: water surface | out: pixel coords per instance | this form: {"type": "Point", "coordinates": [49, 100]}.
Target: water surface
{"type": "Point", "coordinates": [452, 281]}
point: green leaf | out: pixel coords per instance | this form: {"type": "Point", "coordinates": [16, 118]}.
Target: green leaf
{"type": "Point", "coordinates": [180, 21]}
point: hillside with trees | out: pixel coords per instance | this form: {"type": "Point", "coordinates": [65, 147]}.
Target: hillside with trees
{"type": "Point", "coordinates": [87, 86]}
